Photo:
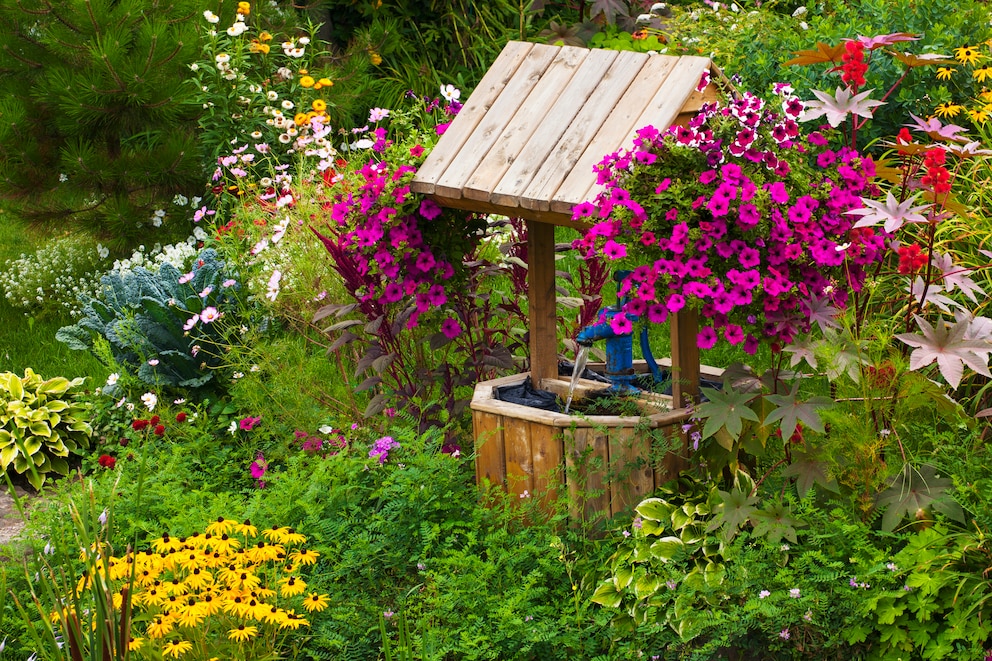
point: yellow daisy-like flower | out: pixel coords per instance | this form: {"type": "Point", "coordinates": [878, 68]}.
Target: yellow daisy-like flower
{"type": "Point", "coordinates": [375, 58]}
{"type": "Point", "coordinates": [276, 533]}
{"type": "Point", "coordinates": [316, 603]}
{"type": "Point", "coordinates": [944, 73]}
{"type": "Point", "coordinates": [221, 526]}
{"type": "Point", "coordinates": [986, 95]}
{"type": "Point", "coordinates": [159, 628]}
{"type": "Point", "coordinates": [293, 621]}
{"type": "Point", "coordinates": [292, 586]}
{"type": "Point", "coordinates": [967, 54]}
{"type": "Point", "coordinates": [326, 82]}
{"type": "Point", "coordinates": [258, 47]}
{"type": "Point", "coordinates": [304, 556]}
{"type": "Point", "coordinates": [947, 109]}
{"type": "Point", "coordinates": [982, 74]}
{"type": "Point", "coordinates": [246, 528]}
{"type": "Point", "coordinates": [307, 81]}
{"type": "Point", "coordinates": [135, 644]}
{"type": "Point", "coordinates": [301, 119]}
{"type": "Point", "coordinates": [978, 115]}
{"type": "Point", "coordinates": [319, 105]}
{"type": "Point", "coordinates": [242, 633]}
{"type": "Point", "coordinates": [264, 36]}
{"type": "Point", "coordinates": [244, 8]}
{"type": "Point", "coordinates": [293, 537]}
{"type": "Point", "coordinates": [176, 648]}
{"type": "Point", "coordinates": [166, 544]}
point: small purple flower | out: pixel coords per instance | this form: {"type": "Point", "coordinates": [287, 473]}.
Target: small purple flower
{"type": "Point", "coordinates": [380, 449]}
{"type": "Point", "coordinates": [784, 634]}
{"type": "Point", "coordinates": [794, 593]}
{"type": "Point", "coordinates": [763, 594]}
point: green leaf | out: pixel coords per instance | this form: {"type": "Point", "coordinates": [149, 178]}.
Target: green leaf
{"type": "Point", "coordinates": [910, 493]}
{"type": "Point", "coordinates": [607, 595]}
{"type": "Point", "coordinates": [666, 548]}
{"type": "Point", "coordinates": [808, 470]}
{"type": "Point", "coordinates": [728, 409]}
{"type": "Point", "coordinates": [775, 523]}
{"type": "Point", "coordinates": [887, 610]}
{"type": "Point", "coordinates": [734, 510]}
{"type": "Point", "coordinates": [623, 577]}
{"type": "Point", "coordinates": [654, 509]}
{"type": "Point", "coordinates": [791, 411]}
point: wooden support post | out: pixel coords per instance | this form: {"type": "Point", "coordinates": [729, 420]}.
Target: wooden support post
{"type": "Point", "coordinates": [685, 357]}
{"type": "Point", "coordinates": [542, 301]}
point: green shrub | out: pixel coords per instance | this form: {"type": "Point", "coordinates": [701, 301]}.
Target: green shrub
{"type": "Point", "coordinates": [41, 423]}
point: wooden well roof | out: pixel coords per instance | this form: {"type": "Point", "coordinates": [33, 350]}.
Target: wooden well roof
{"type": "Point", "coordinates": [527, 138]}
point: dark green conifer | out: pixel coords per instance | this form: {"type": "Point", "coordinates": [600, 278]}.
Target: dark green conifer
{"type": "Point", "coordinates": [96, 123]}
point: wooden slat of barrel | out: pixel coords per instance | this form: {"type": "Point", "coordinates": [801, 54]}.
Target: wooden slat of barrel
{"type": "Point", "coordinates": [490, 450]}
{"type": "Point", "coordinates": [490, 130]}
{"type": "Point", "coordinates": [580, 132]}
{"type": "Point", "coordinates": [586, 461]}
{"type": "Point", "coordinates": [528, 118]}
{"type": "Point", "coordinates": [534, 154]}
{"type": "Point", "coordinates": [475, 108]}
{"type": "Point", "coordinates": [629, 485]}
{"type": "Point", "coordinates": [546, 446]}
{"type": "Point", "coordinates": [519, 457]}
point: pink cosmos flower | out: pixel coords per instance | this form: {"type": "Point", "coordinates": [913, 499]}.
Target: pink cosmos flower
{"type": "Point", "coordinates": [186, 277]}
{"type": "Point", "coordinates": [191, 322]}
{"type": "Point", "coordinates": [209, 315]}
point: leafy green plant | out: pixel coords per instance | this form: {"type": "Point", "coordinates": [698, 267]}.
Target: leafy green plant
{"type": "Point", "coordinates": [41, 422]}
{"type": "Point", "coordinates": [164, 325]}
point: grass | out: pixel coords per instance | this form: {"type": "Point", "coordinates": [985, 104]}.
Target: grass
{"type": "Point", "coordinates": [26, 341]}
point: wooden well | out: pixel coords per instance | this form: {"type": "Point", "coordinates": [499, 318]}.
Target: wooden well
{"type": "Point", "coordinates": [524, 145]}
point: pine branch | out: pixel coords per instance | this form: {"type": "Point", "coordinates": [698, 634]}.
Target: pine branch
{"type": "Point", "coordinates": [30, 63]}
{"type": "Point", "coordinates": [151, 54]}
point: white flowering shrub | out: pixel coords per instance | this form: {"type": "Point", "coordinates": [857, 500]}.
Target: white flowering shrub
{"type": "Point", "coordinates": [54, 279]}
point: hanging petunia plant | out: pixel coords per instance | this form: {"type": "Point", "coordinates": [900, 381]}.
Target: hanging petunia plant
{"type": "Point", "coordinates": [737, 215]}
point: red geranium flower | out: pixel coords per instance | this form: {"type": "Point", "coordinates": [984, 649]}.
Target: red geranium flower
{"type": "Point", "coordinates": [160, 430]}
{"type": "Point", "coordinates": [138, 425]}
{"type": "Point", "coordinates": [181, 417]}
{"type": "Point", "coordinates": [107, 461]}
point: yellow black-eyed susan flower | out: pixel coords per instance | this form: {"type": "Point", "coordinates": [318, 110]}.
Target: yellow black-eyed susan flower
{"type": "Point", "coordinates": [316, 603]}
{"type": "Point", "coordinates": [176, 648]}
{"type": "Point", "coordinates": [967, 55]}
{"type": "Point", "coordinates": [304, 557]}
{"type": "Point", "coordinates": [948, 109]}
{"type": "Point", "coordinates": [944, 73]}
{"type": "Point", "coordinates": [242, 633]}
{"type": "Point", "coordinates": [982, 74]}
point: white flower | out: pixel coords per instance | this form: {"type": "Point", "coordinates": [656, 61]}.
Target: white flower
{"type": "Point", "coordinates": [304, 40]}
{"type": "Point", "coordinates": [800, 11]}
{"type": "Point", "coordinates": [254, 368]}
{"type": "Point", "coordinates": [181, 400]}
{"type": "Point", "coordinates": [222, 59]}
{"type": "Point", "coordinates": [273, 286]}
{"type": "Point", "coordinates": [102, 251]}
{"type": "Point", "coordinates": [287, 105]}
{"type": "Point", "coordinates": [364, 143]}
{"type": "Point", "coordinates": [237, 29]}
{"type": "Point", "coordinates": [129, 406]}
{"type": "Point", "coordinates": [211, 17]}
{"type": "Point", "coordinates": [233, 427]}
{"type": "Point", "coordinates": [156, 221]}
{"type": "Point", "coordinates": [179, 200]}
{"type": "Point", "coordinates": [325, 429]}
{"type": "Point", "coordinates": [271, 95]}
{"type": "Point", "coordinates": [112, 379]}
{"type": "Point", "coordinates": [237, 375]}
{"type": "Point", "coordinates": [149, 399]}
{"type": "Point", "coordinates": [153, 362]}
{"type": "Point", "coordinates": [63, 177]}
{"type": "Point", "coordinates": [194, 67]}
{"type": "Point", "coordinates": [450, 93]}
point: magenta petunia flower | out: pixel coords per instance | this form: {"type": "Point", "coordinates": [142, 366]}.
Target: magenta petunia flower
{"type": "Point", "coordinates": [621, 325]}
{"type": "Point", "coordinates": [429, 209]}
{"type": "Point", "coordinates": [248, 423]}
{"type": "Point", "coordinates": [706, 338]}
{"type": "Point", "coordinates": [451, 328]}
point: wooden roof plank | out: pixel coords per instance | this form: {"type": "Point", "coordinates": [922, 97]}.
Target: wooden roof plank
{"type": "Point", "coordinates": [650, 82]}
{"type": "Point", "coordinates": [489, 131]}
{"type": "Point", "coordinates": [661, 112]}
{"type": "Point", "coordinates": [572, 100]}
{"type": "Point", "coordinates": [532, 110]}
{"type": "Point", "coordinates": [471, 114]}
{"type": "Point", "coordinates": [580, 132]}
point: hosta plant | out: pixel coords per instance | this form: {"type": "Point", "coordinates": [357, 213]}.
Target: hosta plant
{"type": "Point", "coordinates": [41, 422]}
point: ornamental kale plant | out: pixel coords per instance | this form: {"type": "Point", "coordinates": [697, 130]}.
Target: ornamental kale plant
{"type": "Point", "coordinates": [163, 325]}
{"type": "Point", "coordinates": [738, 215]}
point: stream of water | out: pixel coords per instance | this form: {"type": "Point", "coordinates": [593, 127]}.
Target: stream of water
{"type": "Point", "coordinates": [580, 366]}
